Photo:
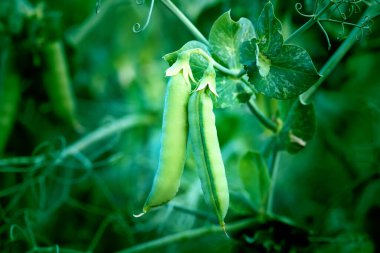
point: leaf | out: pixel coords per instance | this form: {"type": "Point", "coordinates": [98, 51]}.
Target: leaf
{"type": "Point", "coordinates": [229, 90]}
{"type": "Point", "coordinates": [277, 70]}
{"type": "Point", "coordinates": [197, 63]}
{"type": "Point", "coordinates": [255, 178]}
{"type": "Point", "coordinates": [284, 76]}
{"type": "Point", "coordinates": [268, 30]}
{"type": "Point", "coordinates": [226, 37]}
{"type": "Point", "coordinates": [299, 127]}
{"type": "Point", "coordinates": [248, 52]}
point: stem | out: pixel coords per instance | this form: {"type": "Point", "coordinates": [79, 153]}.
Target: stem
{"type": "Point", "coordinates": [309, 23]}
{"type": "Point", "coordinates": [198, 214]}
{"type": "Point", "coordinates": [256, 111]}
{"type": "Point", "coordinates": [261, 117]}
{"type": "Point", "coordinates": [54, 249]}
{"type": "Point", "coordinates": [330, 65]}
{"type": "Point", "coordinates": [216, 64]}
{"type": "Point", "coordinates": [99, 233]}
{"type": "Point", "coordinates": [225, 70]}
{"type": "Point", "coordinates": [103, 132]}
{"type": "Point", "coordinates": [274, 171]}
{"type": "Point", "coordinates": [197, 34]}
{"type": "Point", "coordinates": [187, 236]}
{"type": "Point", "coordinates": [77, 36]}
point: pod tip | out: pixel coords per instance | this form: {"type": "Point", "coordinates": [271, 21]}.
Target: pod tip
{"type": "Point", "coordinates": [223, 226]}
{"type": "Point", "coordinates": [138, 215]}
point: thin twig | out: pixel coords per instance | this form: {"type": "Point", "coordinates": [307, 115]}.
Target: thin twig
{"type": "Point", "coordinates": [99, 134]}
{"type": "Point", "coordinates": [309, 23]}
{"type": "Point", "coordinates": [333, 61]}
{"type": "Point", "coordinates": [261, 117]}
{"type": "Point", "coordinates": [188, 235]}
{"type": "Point", "coordinates": [275, 164]}
{"type": "Point", "coordinates": [197, 34]}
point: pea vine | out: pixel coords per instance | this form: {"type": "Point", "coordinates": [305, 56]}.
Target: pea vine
{"type": "Point", "coordinates": [242, 60]}
{"type": "Point", "coordinates": [256, 58]}
{"type": "Point", "coordinates": [239, 63]}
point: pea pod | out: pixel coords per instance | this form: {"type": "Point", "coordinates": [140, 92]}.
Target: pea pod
{"type": "Point", "coordinates": [57, 82]}
{"type": "Point", "coordinates": [205, 144]}
{"type": "Point", "coordinates": [10, 93]}
{"type": "Point", "coordinates": [173, 143]}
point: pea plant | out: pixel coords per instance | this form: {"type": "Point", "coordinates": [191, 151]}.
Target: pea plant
{"type": "Point", "coordinates": [239, 62]}
{"type": "Point", "coordinates": [269, 138]}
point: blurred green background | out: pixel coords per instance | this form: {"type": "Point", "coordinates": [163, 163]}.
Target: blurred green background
{"type": "Point", "coordinates": [327, 196]}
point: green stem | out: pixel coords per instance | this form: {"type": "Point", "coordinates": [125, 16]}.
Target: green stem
{"type": "Point", "coordinates": [77, 36]}
{"type": "Point", "coordinates": [330, 65]}
{"type": "Point", "coordinates": [309, 23]}
{"type": "Point", "coordinates": [54, 249]}
{"type": "Point", "coordinates": [197, 34]}
{"type": "Point", "coordinates": [274, 172]}
{"type": "Point", "coordinates": [198, 214]}
{"type": "Point", "coordinates": [101, 133]}
{"type": "Point", "coordinates": [225, 70]}
{"type": "Point", "coordinates": [99, 233]}
{"type": "Point", "coordinates": [21, 164]}
{"type": "Point", "coordinates": [189, 235]}
{"type": "Point", "coordinates": [247, 86]}
{"type": "Point", "coordinates": [216, 64]}
{"type": "Point", "coordinates": [106, 131]}
{"type": "Point", "coordinates": [261, 117]}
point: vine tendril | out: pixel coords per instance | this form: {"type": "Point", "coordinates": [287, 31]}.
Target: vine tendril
{"type": "Point", "coordinates": [366, 25]}
{"type": "Point", "coordinates": [12, 229]}
{"type": "Point", "coordinates": [299, 7]}
{"type": "Point", "coordinates": [326, 35]}
{"type": "Point", "coordinates": [338, 11]}
{"type": "Point", "coordinates": [137, 26]}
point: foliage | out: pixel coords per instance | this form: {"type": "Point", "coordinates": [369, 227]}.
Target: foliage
{"type": "Point", "coordinates": [296, 106]}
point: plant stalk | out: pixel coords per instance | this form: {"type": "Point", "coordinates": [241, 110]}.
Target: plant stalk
{"type": "Point", "coordinates": [274, 173]}
{"type": "Point", "coordinates": [333, 61]}
{"type": "Point", "coordinates": [174, 9]}
{"type": "Point", "coordinates": [187, 236]}
{"type": "Point", "coordinates": [309, 23]}
{"type": "Point", "coordinates": [261, 117]}
{"type": "Point", "coordinates": [101, 133]}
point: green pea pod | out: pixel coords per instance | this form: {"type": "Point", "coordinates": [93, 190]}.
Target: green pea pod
{"type": "Point", "coordinates": [10, 93]}
{"type": "Point", "coordinates": [173, 144]}
{"type": "Point", "coordinates": [205, 144]}
{"type": "Point", "coordinates": [57, 82]}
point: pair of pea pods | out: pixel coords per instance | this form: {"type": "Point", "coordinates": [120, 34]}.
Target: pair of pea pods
{"type": "Point", "coordinates": [191, 114]}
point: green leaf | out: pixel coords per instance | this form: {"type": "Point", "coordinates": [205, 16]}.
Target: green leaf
{"type": "Point", "coordinates": [277, 70]}
{"type": "Point", "coordinates": [197, 63]}
{"type": "Point", "coordinates": [248, 52]}
{"type": "Point", "coordinates": [285, 75]}
{"type": "Point", "coordinates": [299, 127]}
{"type": "Point", "coordinates": [229, 91]}
{"type": "Point", "coordinates": [226, 37]}
{"type": "Point", "coordinates": [268, 30]}
{"type": "Point", "coordinates": [255, 178]}
{"type": "Point", "coordinates": [228, 88]}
